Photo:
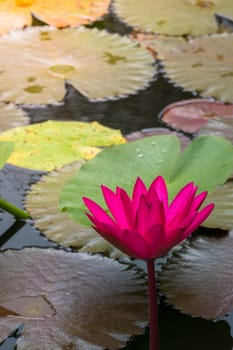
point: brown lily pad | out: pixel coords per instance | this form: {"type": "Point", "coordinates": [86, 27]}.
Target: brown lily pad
{"type": "Point", "coordinates": [198, 280]}
{"type": "Point", "coordinates": [42, 203]}
{"type": "Point", "coordinates": [11, 117]}
{"type": "Point", "coordinates": [101, 66]}
{"type": "Point", "coordinates": [202, 65]}
{"type": "Point", "coordinates": [70, 300]}
{"type": "Point", "coordinates": [192, 115]}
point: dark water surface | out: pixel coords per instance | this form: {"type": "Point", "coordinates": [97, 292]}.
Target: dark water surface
{"type": "Point", "coordinates": [177, 331]}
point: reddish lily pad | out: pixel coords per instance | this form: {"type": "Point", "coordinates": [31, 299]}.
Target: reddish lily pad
{"type": "Point", "coordinates": [70, 300]}
{"type": "Point", "coordinates": [198, 280]}
{"type": "Point", "coordinates": [203, 65]}
{"type": "Point", "coordinates": [98, 64]}
{"type": "Point", "coordinates": [42, 203]}
{"type": "Point", "coordinates": [191, 115]}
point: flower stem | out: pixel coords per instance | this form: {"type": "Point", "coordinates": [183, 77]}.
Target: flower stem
{"type": "Point", "coordinates": [153, 306]}
{"type": "Point", "coordinates": [12, 209]}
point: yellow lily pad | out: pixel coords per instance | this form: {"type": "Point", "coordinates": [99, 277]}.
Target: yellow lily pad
{"type": "Point", "coordinates": [52, 144]}
{"type": "Point", "coordinates": [190, 17]}
{"type": "Point", "coordinates": [203, 65]}
{"type": "Point", "coordinates": [17, 13]}
{"type": "Point", "coordinates": [98, 64]}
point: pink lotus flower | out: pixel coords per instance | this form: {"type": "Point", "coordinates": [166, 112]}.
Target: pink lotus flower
{"type": "Point", "coordinates": [146, 226]}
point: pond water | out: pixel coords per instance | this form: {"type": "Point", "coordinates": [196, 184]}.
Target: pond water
{"type": "Point", "coordinates": [177, 331]}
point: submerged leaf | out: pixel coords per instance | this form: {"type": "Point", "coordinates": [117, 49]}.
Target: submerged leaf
{"type": "Point", "coordinates": [191, 115]}
{"type": "Point", "coordinates": [70, 300]}
{"type": "Point", "coordinates": [42, 203]}
{"type": "Point", "coordinates": [101, 66]}
{"type": "Point", "coordinates": [198, 280]}
{"type": "Point", "coordinates": [173, 17]}
{"type": "Point", "coordinates": [203, 65]}
{"type": "Point", "coordinates": [17, 13]}
{"type": "Point", "coordinates": [49, 145]}
{"type": "Point", "coordinates": [208, 161]}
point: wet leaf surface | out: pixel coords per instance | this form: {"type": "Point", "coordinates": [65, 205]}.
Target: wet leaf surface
{"type": "Point", "coordinates": [198, 280]}
{"type": "Point", "coordinates": [49, 145]}
{"type": "Point", "coordinates": [148, 158]}
{"type": "Point", "coordinates": [70, 300]}
{"type": "Point", "coordinates": [203, 65]}
{"type": "Point", "coordinates": [102, 65]}
{"type": "Point", "coordinates": [173, 18]}
{"type": "Point", "coordinates": [17, 14]}
{"type": "Point", "coordinates": [192, 115]}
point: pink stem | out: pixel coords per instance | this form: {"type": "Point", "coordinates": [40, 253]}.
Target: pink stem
{"type": "Point", "coordinates": [153, 306]}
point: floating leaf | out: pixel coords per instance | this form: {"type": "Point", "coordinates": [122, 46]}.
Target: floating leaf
{"type": "Point", "coordinates": [42, 202]}
{"type": "Point", "coordinates": [203, 65]}
{"type": "Point", "coordinates": [11, 117]}
{"type": "Point", "coordinates": [222, 215]}
{"type": "Point", "coordinates": [173, 17]}
{"type": "Point", "coordinates": [191, 115]}
{"type": "Point", "coordinates": [219, 126]}
{"type": "Point", "coordinates": [6, 149]}
{"type": "Point", "coordinates": [198, 279]}
{"type": "Point", "coordinates": [70, 300]}
{"type": "Point", "coordinates": [17, 13]}
{"type": "Point", "coordinates": [207, 161]}
{"type": "Point", "coordinates": [45, 146]}
{"type": "Point", "coordinates": [101, 65]}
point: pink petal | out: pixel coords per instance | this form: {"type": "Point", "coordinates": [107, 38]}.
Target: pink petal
{"type": "Point", "coordinates": [180, 205]}
{"type": "Point", "coordinates": [159, 186]}
{"type": "Point", "coordinates": [142, 216]}
{"type": "Point", "coordinates": [157, 212]}
{"type": "Point", "coordinates": [155, 240]}
{"type": "Point", "coordinates": [114, 203]}
{"type": "Point", "coordinates": [97, 211]}
{"type": "Point", "coordinates": [136, 245]}
{"type": "Point", "coordinates": [171, 239]}
{"type": "Point", "coordinates": [138, 190]}
{"type": "Point", "coordinates": [198, 200]}
{"type": "Point", "coordinates": [200, 217]}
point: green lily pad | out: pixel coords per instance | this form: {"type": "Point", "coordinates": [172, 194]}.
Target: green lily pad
{"type": "Point", "coordinates": [49, 145]}
{"type": "Point", "coordinates": [208, 161]}
{"type": "Point", "coordinates": [193, 115]}
{"type": "Point", "coordinates": [6, 149]}
{"type": "Point", "coordinates": [198, 280]}
{"type": "Point", "coordinates": [173, 17]}
{"type": "Point", "coordinates": [101, 66]}
{"type": "Point", "coordinates": [42, 203]}
{"type": "Point", "coordinates": [203, 65]}
{"type": "Point", "coordinates": [70, 300]}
